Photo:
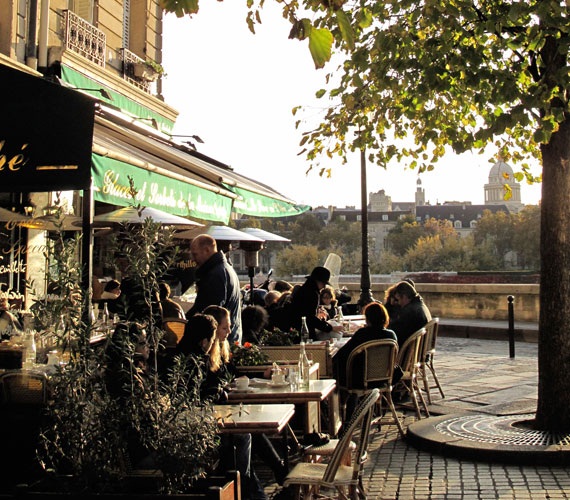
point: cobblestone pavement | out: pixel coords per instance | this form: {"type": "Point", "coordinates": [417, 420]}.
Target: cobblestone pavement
{"type": "Point", "coordinates": [476, 375]}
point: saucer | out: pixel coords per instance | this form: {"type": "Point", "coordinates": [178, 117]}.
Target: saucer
{"type": "Point", "coordinates": [243, 391]}
{"type": "Point", "coordinates": [278, 384]}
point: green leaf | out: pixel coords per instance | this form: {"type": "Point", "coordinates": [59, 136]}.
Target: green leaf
{"type": "Point", "coordinates": [180, 7]}
{"type": "Point", "coordinates": [320, 45]}
{"type": "Point", "coordinates": [364, 18]}
{"type": "Point", "coordinates": [345, 28]}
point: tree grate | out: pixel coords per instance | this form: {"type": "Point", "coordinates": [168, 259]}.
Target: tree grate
{"type": "Point", "coordinates": [508, 430]}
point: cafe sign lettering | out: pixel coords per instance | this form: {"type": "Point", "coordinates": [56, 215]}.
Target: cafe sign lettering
{"type": "Point", "coordinates": [11, 161]}
{"type": "Point", "coordinates": [111, 185]}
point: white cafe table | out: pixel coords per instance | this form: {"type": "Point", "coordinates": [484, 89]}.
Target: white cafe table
{"type": "Point", "coordinates": [256, 418]}
{"type": "Point", "coordinates": [265, 393]}
{"type": "Point", "coordinates": [253, 418]}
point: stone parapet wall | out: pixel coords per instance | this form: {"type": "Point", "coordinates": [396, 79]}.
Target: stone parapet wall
{"type": "Point", "coordinates": [470, 301]}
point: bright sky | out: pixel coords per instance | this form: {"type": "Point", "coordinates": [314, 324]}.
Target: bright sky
{"type": "Point", "coordinates": [236, 91]}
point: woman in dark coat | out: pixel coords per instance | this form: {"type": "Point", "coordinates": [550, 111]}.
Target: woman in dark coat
{"type": "Point", "coordinates": [377, 320]}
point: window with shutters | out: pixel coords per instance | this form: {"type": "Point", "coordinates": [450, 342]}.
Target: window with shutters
{"type": "Point", "coordinates": [83, 8]}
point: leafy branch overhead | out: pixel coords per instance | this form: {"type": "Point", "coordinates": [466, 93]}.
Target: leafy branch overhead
{"type": "Point", "coordinates": [422, 77]}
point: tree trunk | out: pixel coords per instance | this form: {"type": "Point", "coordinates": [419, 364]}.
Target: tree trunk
{"type": "Point", "coordinates": [553, 410]}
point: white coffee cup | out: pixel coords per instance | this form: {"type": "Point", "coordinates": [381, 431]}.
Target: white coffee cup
{"type": "Point", "coordinates": [242, 383]}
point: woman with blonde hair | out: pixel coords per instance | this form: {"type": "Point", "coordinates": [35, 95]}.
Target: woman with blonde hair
{"type": "Point", "coordinates": [220, 352]}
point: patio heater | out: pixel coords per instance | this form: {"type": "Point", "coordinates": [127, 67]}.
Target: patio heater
{"type": "Point", "coordinates": [251, 250]}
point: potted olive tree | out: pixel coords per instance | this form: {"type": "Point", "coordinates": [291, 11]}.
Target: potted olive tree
{"type": "Point", "coordinates": [86, 441]}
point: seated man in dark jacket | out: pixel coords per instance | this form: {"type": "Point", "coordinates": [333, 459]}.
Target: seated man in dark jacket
{"type": "Point", "coordinates": [305, 300]}
{"type": "Point", "coordinates": [413, 313]}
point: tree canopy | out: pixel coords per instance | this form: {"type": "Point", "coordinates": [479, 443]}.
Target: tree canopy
{"type": "Point", "coordinates": [423, 76]}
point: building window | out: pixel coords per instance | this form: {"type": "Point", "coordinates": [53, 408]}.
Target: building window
{"type": "Point", "coordinates": [385, 217]}
{"type": "Point", "coordinates": [359, 218]}
{"type": "Point", "coordinates": [84, 9]}
{"type": "Point", "coordinates": [473, 224]}
{"type": "Point", "coordinates": [457, 224]}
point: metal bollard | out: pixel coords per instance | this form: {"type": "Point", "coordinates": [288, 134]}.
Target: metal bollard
{"type": "Point", "coordinates": [511, 300]}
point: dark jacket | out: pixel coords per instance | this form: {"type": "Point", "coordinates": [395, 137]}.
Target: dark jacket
{"type": "Point", "coordinates": [217, 284]}
{"type": "Point", "coordinates": [410, 319]}
{"type": "Point", "coordinates": [361, 336]}
{"type": "Point", "coordinates": [304, 303]}
{"type": "Point", "coordinates": [211, 387]}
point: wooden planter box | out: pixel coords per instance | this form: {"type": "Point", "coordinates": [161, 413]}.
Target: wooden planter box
{"type": "Point", "coordinates": [210, 488]}
{"type": "Point", "coordinates": [319, 352]}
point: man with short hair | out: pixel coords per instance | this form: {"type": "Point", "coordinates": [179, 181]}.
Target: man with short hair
{"type": "Point", "coordinates": [413, 313]}
{"type": "Point", "coordinates": [217, 283]}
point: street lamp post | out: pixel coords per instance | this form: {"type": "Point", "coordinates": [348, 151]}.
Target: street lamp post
{"type": "Point", "coordinates": [365, 290]}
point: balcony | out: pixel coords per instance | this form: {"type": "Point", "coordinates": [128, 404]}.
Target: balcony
{"type": "Point", "coordinates": [131, 65]}
{"type": "Point", "coordinates": [84, 39]}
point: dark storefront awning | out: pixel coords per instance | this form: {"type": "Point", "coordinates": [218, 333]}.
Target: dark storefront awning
{"type": "Point", "coordinates": [45, 136]}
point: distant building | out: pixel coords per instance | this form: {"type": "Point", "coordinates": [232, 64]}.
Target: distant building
{"type": "Point", "coordinates": [383, 213]}
{"type": "Point", "coordinates": [463, 216]}
{"type": "Point", "coordinates": [501, 174]}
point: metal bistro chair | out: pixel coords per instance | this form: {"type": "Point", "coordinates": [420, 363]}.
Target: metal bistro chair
{"type": "Point", "coordinates": [346, 481]}
{"type": "Point", "coordinates": [378, 359]}
{"type": "Point", "coordinates": [426, 358]}
{"type": "Point", "coordinates": [23, 389]}
{"type": "Point", "coordinates": [408, 360]}
{"type": "Point", "coordinates": [174, 330]}
{"type": "Point", "coordinates": [23, 399]}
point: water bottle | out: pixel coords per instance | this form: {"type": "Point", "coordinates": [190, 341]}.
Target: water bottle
{"type": "Point", "coordinates": [29, 349]}
{"type": "Point", "coordinates": [105, 315]}
{"type": "Point", "coordinates": [339, 317]}
{"type": "Point", "coordinates": [304, 367]}
{"type": "Point", "coordinates": [304, 330]}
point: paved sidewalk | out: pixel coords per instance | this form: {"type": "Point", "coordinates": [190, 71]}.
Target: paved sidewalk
{"type": "Point", "coordinates": [478, 376]}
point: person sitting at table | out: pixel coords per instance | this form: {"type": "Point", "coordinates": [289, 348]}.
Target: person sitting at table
{"type": "Point", "coordinates": [254, 319]}
{"type": "Point", "coordinates": [110, 294]}
{"type": "Point", "coordinates": [390, 302]}
{"type": "Point", "coordinates": [170, 309]}
{"type": "Point", "coordinates": [271, 298]}
{"type": "Point", "coordinates": [305, 300]}
{"type": "Point", "coordinates": [377, 320]}
{"type": "Point", "coordinates": [328, 303]}
{"type": "Point", "coordinates": [222, 367]}
{"type": "Point", "coordinates": [9, 323]}
{"type": "Point", "coordinates": [413, 314]}
{"type": "Point", "coordinates": [199, 338]}
{"type": "Point", "coordinates": [281, 286]}
{"type": "Point", "coordinates": [96, 288]}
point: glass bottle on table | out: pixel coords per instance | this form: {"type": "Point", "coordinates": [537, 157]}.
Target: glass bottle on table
{"type": "Point", "coordinates": [304, 367]}
{"type": "Point", "coordinates": [304, 330]}
{"type": "Point", "coordinates": [105, 315]}
{"type": "Point", "coordinates": [339, 317]}
{"type": "Point", "coordinates": [29, 349]}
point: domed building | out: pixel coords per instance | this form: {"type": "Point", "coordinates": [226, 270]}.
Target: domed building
{"type": "Point", "coordinates": [501, 174]}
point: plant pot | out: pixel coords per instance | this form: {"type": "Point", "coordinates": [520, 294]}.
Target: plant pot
{"type": "Point", "coordinates": [144, 72]}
